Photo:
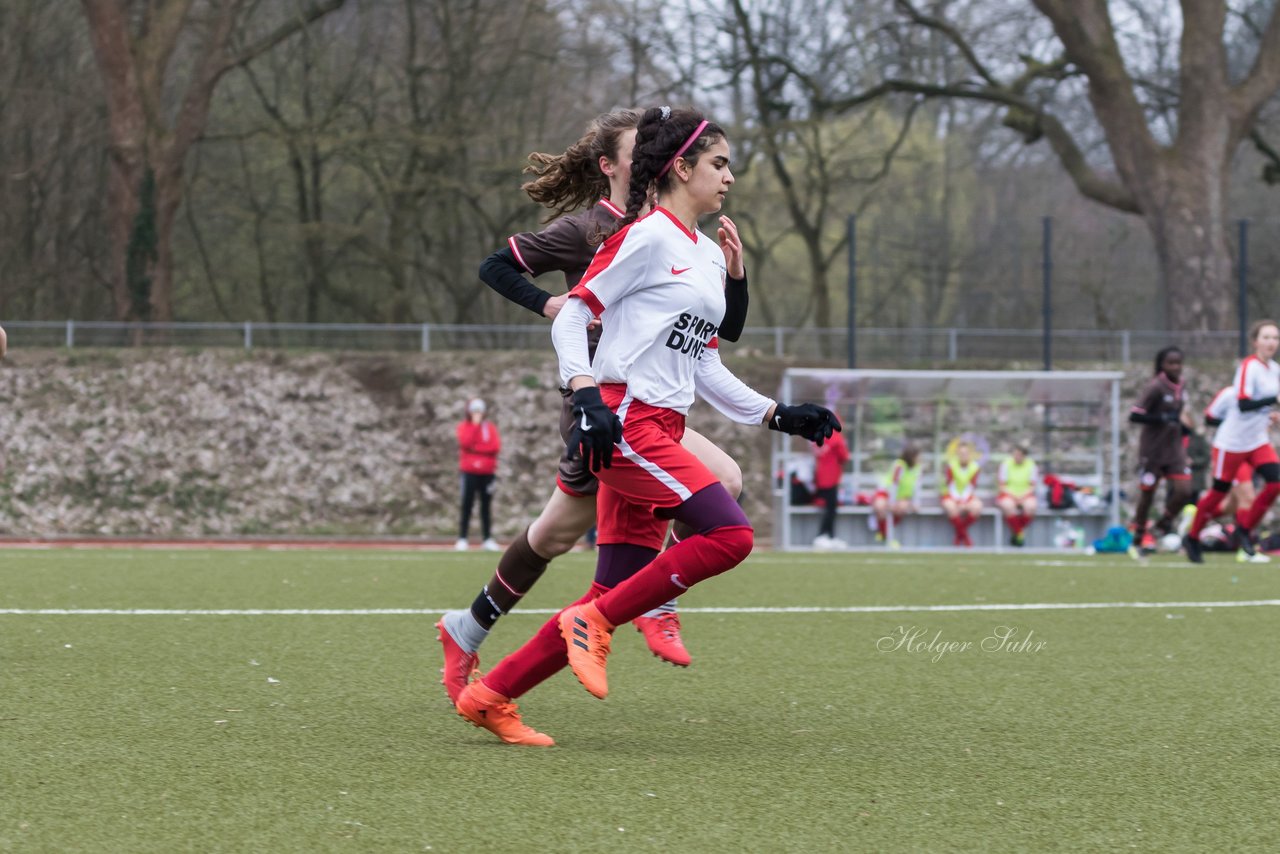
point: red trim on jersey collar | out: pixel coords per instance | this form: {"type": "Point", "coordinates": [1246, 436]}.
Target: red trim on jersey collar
{"type": "Point", "coordinates": [612, 208]}
{"type": "Point", "coordinates": [692, 235]}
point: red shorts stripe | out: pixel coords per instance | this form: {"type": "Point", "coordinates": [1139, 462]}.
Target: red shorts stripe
{"type": "Point", "coordinates": [651, 471]}
{"type": "Point", "coordinates": [1238, 467]}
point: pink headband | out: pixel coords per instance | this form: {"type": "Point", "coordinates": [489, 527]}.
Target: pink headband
{"type": "Point", "coordinates": [682, 149]}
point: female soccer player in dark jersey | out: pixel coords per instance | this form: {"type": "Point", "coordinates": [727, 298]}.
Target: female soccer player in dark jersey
{"type": "Point", "coordinates": [1161, 454]}
{"type": "Point", "coordinates": [658, 287]}
{"type": "Point", "coordinates": [595, 170]}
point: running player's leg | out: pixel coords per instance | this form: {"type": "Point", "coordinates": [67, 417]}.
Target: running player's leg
{"type": "Point", "coordinates": [1225, 464]}
{"type": "Point", "coordinates": [487, 702]}
{"type": "Point", "coordinates": [1177, 493]}
{"type": "Point", "coordinates": [661, 625]}
{"type": "Point", "coordinates": [655, 471]}
{"type": "Point", "coordinates": [1148, 481]}
{"type": "Point", "coordinates": [562, 522]}
{"type": "Point", "coordinates": [1266, 464]}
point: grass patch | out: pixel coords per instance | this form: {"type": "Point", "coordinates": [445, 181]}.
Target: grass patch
{"type": "Point", "coordinates": [1146, 728]}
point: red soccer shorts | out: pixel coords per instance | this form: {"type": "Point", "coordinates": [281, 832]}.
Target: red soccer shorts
{"type": "Point", "coordinates": [1226, 465]}
{"type": "Point", "coordinates": [651, 471]}
{"type": "Point", "coordinates": [1244, 471]}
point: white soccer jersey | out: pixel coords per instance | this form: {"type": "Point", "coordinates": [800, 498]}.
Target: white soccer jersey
{"type": "Point", "coordinates": [1244, 431]}
{"type": "Point", "coordinates": [1222, 405]}
{"type": "Point", "coordinates": [658, 290]}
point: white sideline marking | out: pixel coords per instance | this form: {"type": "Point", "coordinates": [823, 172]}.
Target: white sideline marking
{"type": "Point", "coordinates": [798, 609]}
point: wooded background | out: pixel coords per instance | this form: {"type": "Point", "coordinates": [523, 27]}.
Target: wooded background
{"type": "Point", "coordinates": [355, 160]}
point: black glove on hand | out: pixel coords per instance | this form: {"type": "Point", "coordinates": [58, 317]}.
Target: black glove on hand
{"type": "Point", "coordinates": [806, 420]}
{"type": "Point", "coordinates": [595, 429]}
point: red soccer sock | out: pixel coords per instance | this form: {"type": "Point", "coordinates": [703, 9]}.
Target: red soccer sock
{"type": "Point", "coordinates": [676, 570]}
{"type": "Point", "coordinates": [541, 657]}
{"type": "Point", "coordinates": [1206, 509]}
{"type": "Point", "coordinates": [882, 526]}
{"type": "Point", "coordinates": [1259, 507]}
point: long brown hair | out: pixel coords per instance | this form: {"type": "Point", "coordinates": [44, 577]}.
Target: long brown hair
{"type": "Point", "coordinates": [566, 182]}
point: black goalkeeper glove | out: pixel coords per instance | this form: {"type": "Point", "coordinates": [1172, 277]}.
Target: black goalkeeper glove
{"type": "Point", "coordinates": [806, 420]}
{"type": "Point", "coordinates": [595, 429]}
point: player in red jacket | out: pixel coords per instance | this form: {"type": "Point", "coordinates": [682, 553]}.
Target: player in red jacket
{"type": "Point", "coordinates": [478, 446]}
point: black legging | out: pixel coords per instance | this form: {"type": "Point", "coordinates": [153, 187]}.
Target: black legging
{"type": "Point", "coordinates": [829, 496]}
{"type": "Point", "coordinates": [473, 485]}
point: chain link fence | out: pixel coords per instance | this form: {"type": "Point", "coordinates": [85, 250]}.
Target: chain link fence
{"type": "Point", "coordinates": [875, 347]}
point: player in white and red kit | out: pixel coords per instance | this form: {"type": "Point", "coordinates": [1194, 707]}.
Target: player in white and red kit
{"type": "Point", "coordinates": [1243, 438]}
{"type": "Point", "coordinates": [1242, 494]}
{"type": "Point", "coordinates": [595, 171]}
{"type": "Point", "coordinates": [658, 287]}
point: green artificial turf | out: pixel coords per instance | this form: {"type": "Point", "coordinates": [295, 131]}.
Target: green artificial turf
{"type": "Point", "coordinates": [1092, 729]}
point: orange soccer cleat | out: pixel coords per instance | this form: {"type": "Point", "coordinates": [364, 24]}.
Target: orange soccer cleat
{"type": "Point", "coordinates": [587, 637]}
{"type": "Point", "coordinates": [459, 664]}
{"type": "Point", "coordinates": [662, 633]}
{"type": "Point", "coordinates": [489, 710]}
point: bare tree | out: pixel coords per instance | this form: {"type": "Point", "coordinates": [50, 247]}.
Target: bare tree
{"type": "Point", "coordinates": [153, 125]}
{"type": "Point", "coordinates": [1170, 142]}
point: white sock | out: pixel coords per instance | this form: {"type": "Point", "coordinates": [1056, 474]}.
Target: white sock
{"type": "Point", "coordinates": [465, 631]}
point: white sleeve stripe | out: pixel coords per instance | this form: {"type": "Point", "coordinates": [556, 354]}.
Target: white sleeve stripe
{"type": "Point", "coordinates": [515, 250]}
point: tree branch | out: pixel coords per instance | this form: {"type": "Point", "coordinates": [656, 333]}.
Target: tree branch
{"type": "Point", "coordinates": [1263, 78]}
{"type": "Point", "coordinates": [282, 32]}
{"type": "Point", "coordinates": [1271, 170]}
{"type": "Point", "coordinates": [952, 35]}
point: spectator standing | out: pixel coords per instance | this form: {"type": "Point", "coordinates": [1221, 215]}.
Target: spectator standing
{"type": "Point", "coordinates": [829, 461]}
{"type": "Point", "coordinates": [478, 446]}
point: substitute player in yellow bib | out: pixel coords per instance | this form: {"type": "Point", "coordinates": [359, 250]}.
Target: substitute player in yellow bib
{"type": "Point", "coordinates": [960, 499]}
{"type": "Point", "coordinates": [1016, 480]}
{"type": "Point", "coordinates": [897, 493]}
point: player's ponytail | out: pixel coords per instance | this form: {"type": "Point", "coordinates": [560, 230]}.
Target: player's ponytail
{"type": "Point", "coordinates": [662, 135]}
{"type": "Point", "coordinates": [568, 181]}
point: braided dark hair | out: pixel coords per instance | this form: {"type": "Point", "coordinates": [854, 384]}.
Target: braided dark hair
{"type": "Point", "coordinates": [661, 132]}
{"type": "Point", "coordinates": [566, 182]}
{"type": "Point", "coordinates": [1164, 354]}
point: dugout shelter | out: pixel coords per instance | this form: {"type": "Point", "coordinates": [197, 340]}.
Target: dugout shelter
{"type": "Point", "coordinates": [1069, 421]}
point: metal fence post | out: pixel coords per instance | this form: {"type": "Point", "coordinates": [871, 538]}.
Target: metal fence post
{"type": "Point", "coordinates": [248, 334]}
{"type": "Point", "coordinates": [426, 338]}
{"type": "Point", "coordinates": [777, 341]}
{"type": "Point", "coordinates": [953, 348]}
{"type": "Point", "coordinates": [1124, 347]}
{"type": "Point", "coordinates": [71, 334]}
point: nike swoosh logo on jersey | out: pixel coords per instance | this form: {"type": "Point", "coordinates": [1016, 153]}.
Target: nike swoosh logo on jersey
{"type": "Point", "coordinates": [586, 428]}
{"type": "Point", "coordinates": [777, 419]}
{"type": "Point", "coordinates": [676, 272]}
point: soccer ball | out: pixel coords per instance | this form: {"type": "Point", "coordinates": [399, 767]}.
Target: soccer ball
{"type": "Point", "coordinates": [1170, 543]}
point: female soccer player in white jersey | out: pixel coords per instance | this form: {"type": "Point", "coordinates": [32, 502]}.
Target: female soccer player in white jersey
{"type": "Point", "coordinates": [1242, 493]}
{"type": "Point", "coordinates": [1243, 438]}
{"type": "Point", "coordinates": [594, 171]}
{"type": "Point", "coordinates": [658, 287]}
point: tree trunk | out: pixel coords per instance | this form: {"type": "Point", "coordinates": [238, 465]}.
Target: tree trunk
{"type": "Point", "coordinates": [1195, 265]}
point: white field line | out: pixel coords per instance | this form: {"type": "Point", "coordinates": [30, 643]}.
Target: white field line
{"type": "Point", "coordinates": [798, 609]}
